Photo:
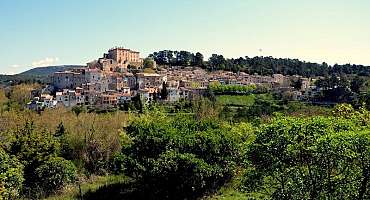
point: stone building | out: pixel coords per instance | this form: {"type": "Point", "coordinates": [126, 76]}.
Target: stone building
{"type": "Point", "coordinates": [68, 79]}
{"type": "Point", "coordinates": [107, 100]}
{"type": "Point", "coordinates": [117, 60]}
{"type": "Point", "coordinates": [129, 80]}
{"type": "Point", "coordinates": [145, 80]}
{"type": "Point", "coordinates": [104, 64]}
{"type": "Point", "coordinates": [122, 55]}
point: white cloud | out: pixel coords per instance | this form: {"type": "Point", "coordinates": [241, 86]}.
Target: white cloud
{"type": "Point", "coordinates": [16, 68]}
{"type": "Point", "coordinates": [48, 61]}
{"type": "Point", "coordinates": [9, 73]}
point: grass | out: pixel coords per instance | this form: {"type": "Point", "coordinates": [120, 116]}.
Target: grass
{"type": "Point", "coordinates": [230, 193]}
{"type": "Point", "coordinates": [92, 184]}
{"type": "Point", "coordinates": [99, 187]}
{"type": "Point", "coordinates": [232, 190]}
{"type": "Point", "coordinates": [236, 100]}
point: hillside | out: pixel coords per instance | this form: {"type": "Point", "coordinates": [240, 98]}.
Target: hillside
{"type": "Point", "coordinates": [38, 74]}
{"type": "Point", "coordinates": [45, 71]}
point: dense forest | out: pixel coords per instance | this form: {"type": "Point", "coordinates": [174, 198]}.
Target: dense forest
{"type": "Point", "coordinates": [223, 146]}
{"type": "Point", "coordinates": [260, 65]}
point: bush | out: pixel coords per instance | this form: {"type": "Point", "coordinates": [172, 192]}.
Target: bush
{"type": "Point", "coordinates": [217, 88]}
{"type": "Point", "coordinates": [183, 175]}
{"type": "Point", "coordinates": [179, 157]}
{"type": "Point", "coordinates": [55, 173]}
{"type": "Point", "coordinates": [11, 176]}
{"type": "Point", "coordinates": [313, 158]}
{"type": "Point", "coordinates": [33, 148]}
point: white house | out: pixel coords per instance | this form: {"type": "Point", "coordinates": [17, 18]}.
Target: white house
{"type": "Point", "coordinates": [68, 98]}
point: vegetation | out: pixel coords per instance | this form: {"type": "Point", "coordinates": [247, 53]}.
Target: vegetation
{"type": "Point", "coordinates": [180, 157]}
{"type": "Point", "coordinates": [11, 176]}
{"type": "Point", "coordinates": [178, 58]}
{"type": "Point", "coordinates": [227, 146]}
{"type": "Point", "coordinates": [217, 88]}
{"type": "Point", "coordinates": [314, 158]}
{"type": "Point", "coordinates": [236, 100]}
{"type": "Point", "coordinates": [148, 63]}
{"type": "Point", "coordinates": [260, 65]}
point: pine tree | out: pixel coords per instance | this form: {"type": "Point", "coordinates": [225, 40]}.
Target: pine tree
{"type": "Point", "coordinates": [60, 130]}
{"type": "Point", "coordinates": [164, 92]}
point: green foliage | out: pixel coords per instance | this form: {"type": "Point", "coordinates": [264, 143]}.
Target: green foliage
{"type": "Point", "coordinates": [236, 100]}
{"type": "Point", "coordinates": [55, 173]}
{"type": "Point", "coordinates": [60, 131]}
{"type": "Point", "coordinates": [20, 94]}
{"type": "Point", "coordinates": [357, 84]}
{"type": "Point", "coordinates": [183, 175]}
{"type": "Point", "coordinates": [33, 148]}
{"type": "Point", "coordinates": [164, 92]}
{"type": "Point", "coordinates": [179, 58]}
{"type": "Point", "coordinates": [89, 140]}
{"type": "Point", "coordinates": [267, 66]}
{"type": "Point", "coordinates": [198, 61]}
{"type": "Point", "coordinates": [79, 109]}
{"type": "Point", "coordinates": [11, 176]}
{"type": "Point", "coordinates": [297, 84]}
{"type": "Point", "coordinates": [335, 89]}
{"type": "Point", "coordinates": [314, 158]}
{"type": "Point", "coordinates": [149, 63]}
{"type": "Point", "coordinates": [264, 105]}
{"type": "Point", "coordinates": [259, 64]}
{"type": "Point", "coordinates": [300, 109]}
{"type": "Point", "coordinates": [205, 108]}
{"type": "Point", "coordinates": [217, 88]}
{"type": "Point", "coordinates": [344, 110]}
{"type": "Point", "coordinates": [181, 156]}
{"type": "Point", "coordinates": [3, 100]}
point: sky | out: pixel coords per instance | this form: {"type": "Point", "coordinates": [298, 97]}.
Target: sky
{"type": "Point", "coordinates": [46, 32]}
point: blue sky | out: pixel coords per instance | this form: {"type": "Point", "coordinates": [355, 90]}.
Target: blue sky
{"type": "Point", "coordinates": [45, 32]}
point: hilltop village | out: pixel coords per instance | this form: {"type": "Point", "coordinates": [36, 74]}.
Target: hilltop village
{"type": "Point", "coordinates": [120, 76]}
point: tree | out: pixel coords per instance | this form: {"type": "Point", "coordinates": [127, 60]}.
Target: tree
{"type": "Point", "coordinates": [199, 59]}
{"type": "Point", "coordinates": [179, 157]}
{"type": "Point", "coordinates": [164, 92]}
{"type": "Point", "coordinates": [21, 94]}
{"type": "Point", "coordinates": [297, 84]}
{"type": "Point", "coordinates": [32, 148]}
{"type": "Point", "coordinates": [216, 62]}
{"type": "Point", "coordinates": [335, 89]}
{"type": "Point", "coordinates": [315, 158]}
{"type": "Point", "coordinates": [11, 176]}
{"type": "Point", "coordinates": [262, 106]}
{"type": "Point", "coordinates": [357, 83]}
{"type": "Point", "coordinates": [55, 173]}
{"type": "Point", "coordinates": [60, 131]}
{"type": "Point", "coordinates": [260, 65]}
{"type": "Point", "coordinates": [184, 58]}
{"type": "Point", "coordinates": [149, 63]}
{"type": "Point", "coordinates": [79, 109]}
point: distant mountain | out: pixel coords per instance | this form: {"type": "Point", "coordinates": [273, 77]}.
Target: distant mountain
{"type": "Point", "coordinates": [38, 74]}
{"type": "Point", "coordinates": [46, 71]}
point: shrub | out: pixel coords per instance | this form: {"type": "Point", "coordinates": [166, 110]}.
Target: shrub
{"type": "Point", "coordinates": [183, 175]}
{"type": "Point", "coordinates": [55, 173]}
{"type": "Point", "coordinates": [33, 148]}
{"type": "Point", "coordinates": [179, 155]}
{"type": "Point", "coordinates": [11, 176]}
{"type": "Point", "coordinates": [313, 158]}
